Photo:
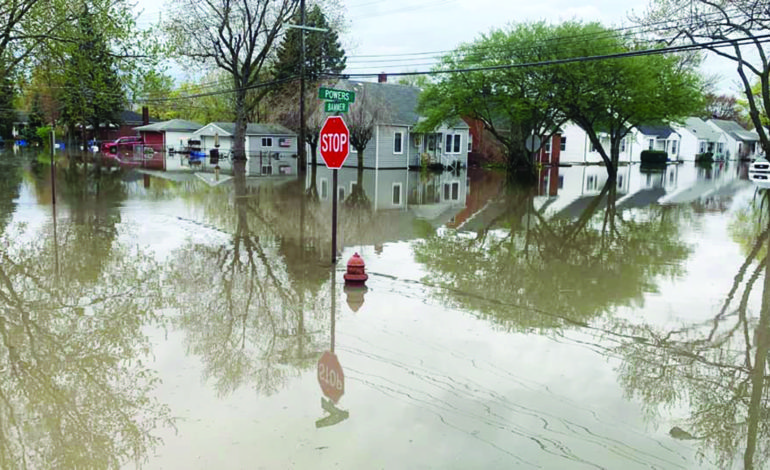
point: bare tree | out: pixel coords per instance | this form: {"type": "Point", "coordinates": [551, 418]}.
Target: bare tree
{"type": "Point", "coordinates": [236, 36]}
{"type": "Point", "coordinates": [363, 116]}
{"type": "Point", "coordinates": [741, 25]}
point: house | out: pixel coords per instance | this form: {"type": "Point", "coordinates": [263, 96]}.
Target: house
{"type": "Point", "coordinates": [168, 135]}
{"type": "Point", "coordinates": [128, 121]}
{"type": "Point", "coordinates": [661, 137]}
{"type": "Point", "coordinates": [698, 137]}
{"type": "Point", "coordinates": [394, 143]}
{"type": "Point", "coordinates": [576, 147]}
{"type": "Point", "coordinates": [271, 149]}
{"type": "Point", "coordinates": [740, 143]}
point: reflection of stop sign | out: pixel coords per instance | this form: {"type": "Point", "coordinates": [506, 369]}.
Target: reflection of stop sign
{"type": "Point", "coordinates": [330, 376]}
{"type": "Point", "coordinates": [334, 142]}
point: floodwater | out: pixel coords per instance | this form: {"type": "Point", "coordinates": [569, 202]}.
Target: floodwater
{"type": "Point", "coordinates": [175, 320]}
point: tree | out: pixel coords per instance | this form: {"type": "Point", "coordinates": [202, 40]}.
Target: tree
{"type": "Point", "coordinates": [740, 25]}
{"type": "Point", "coordinates": [7, 112]}
{"type": "Point", "coordinates": [362, 118]}
{"type": "Point", "coordinates": [236, 36]}
{"type": "Point", "coordinates": [614, 96]}
{"type": "Point", "coordinates": [511, 104]}
{"type": "Point", "coordinates": [93, 92]}
{"type": "Point", "coordinates": [323, 51]}
{"type": "Point", "coordinates": [721, 107]}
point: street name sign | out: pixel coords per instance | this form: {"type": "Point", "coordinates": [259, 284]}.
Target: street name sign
{"type": "Point", "coordinates": [334, 142]}
{"type": "Point", "coordinates": [340, 96]}
{"type": "Point", "coordinates": [336, 107]}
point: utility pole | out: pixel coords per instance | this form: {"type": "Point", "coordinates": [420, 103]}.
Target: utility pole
{"type": "Point", "coordinates": [302, 167]}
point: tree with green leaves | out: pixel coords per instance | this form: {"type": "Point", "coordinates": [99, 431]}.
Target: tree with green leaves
{"type": "Point", "coordinates": [92, 89]}
{"type": "Point", "coordinates": [614, 96]}
{"type": "Point", "coordinates": [511, 103]}
{"type": "Point", "coordinates": [7, 111]}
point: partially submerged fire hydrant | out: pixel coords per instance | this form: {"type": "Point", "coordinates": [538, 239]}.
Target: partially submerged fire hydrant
{"type": "Point", "coordinates": [356, 275]}
{"type": "Point", "coordinates": [354, 282]}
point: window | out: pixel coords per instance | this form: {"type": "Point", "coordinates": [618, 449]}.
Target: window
{"type": "Point", "coordinates": [324, 188]}
{"type": "Point", "coordinates": [620, 181]}
{"type": "Point", "coordinates": [455, 191]}
{"type": "Point", "coordinates": [622, 145]}
{"type": "Point", "coordinates": [563, 145]}
{"type": "Point", "coordinates": [398, 147]}
{"type": "Point", "coordinates": [547, 147]}
{"type": "Point", "coordinates": [652, 144]}
{"type": "Point", "coordinates": [446, 191]}
{"type": "Point", "coordinates": [453, 143]}
{"type": "Point", "coordinates": [703, 147]}
{"type": "Point", "coordinates": [267, 141]}
{"type": "Point", "coordinates": [432, 142]}
{"type": "Point", "coordinates": [591, 183]}
{"type": "Point", "coordinates": [593, 147]}
{"type": "Point", "coordinates": [396, 194]}
{"type": "Point", "coordinates": [561, 181]}
{"type": "Point", "coordinates": [673, 147]}
{"type": "Point", "coordinates": [340, 193]}
{"type": "Point", "coordinates": [267, 169]}
{"type": "Point", "coordinates": [720, 147]}
{"type": "Point", "coordinates": [470, 143]}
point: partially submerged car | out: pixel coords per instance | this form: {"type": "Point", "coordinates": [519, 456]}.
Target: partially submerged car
{"type": "Point", "coordinates": [123, 143]}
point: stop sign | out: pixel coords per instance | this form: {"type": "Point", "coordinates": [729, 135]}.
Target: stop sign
{"type": "Point", "coordinates": [330, 376]}
{"type": "Point", "coordinates": [334, 142]}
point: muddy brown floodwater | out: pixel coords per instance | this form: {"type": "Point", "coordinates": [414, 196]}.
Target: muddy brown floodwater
{"type": "Point", "coordinates": [175, 320]}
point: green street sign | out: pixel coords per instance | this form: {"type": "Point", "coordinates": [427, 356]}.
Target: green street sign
{"type": "Point", "coordinates": [333, 107]}
{"type": "Point", "coordinates": [340, 96]}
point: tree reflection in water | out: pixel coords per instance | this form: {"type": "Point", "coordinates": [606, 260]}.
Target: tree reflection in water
{"type": "Point", "coordinates": [717, 369]}
{"type": "Point", "coordinates": [74, 388]}
{"type": "Point", "coordinates": [252, 307]}
{"type": "Point", "coordinates": [524, 270]}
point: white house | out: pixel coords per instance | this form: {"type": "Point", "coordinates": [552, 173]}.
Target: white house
{"type": "Point", "coordinates": [740, 143]}
{"type": "Point", "coordinates": [576, 147]}
{"type": "Point", "coordinates": [270, 148]}
{"type": "Point", "coordinates": [394, 143]}
{"type": "Point", "coordinates": [698, 137]}
{"type": "Point", "coordinates": [662, 138]}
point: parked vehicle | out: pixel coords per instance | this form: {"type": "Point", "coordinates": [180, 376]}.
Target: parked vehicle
{"type": "Point", "coordinates": [123, 143]}
{"type": "Point", "coordinates": [759, 172]}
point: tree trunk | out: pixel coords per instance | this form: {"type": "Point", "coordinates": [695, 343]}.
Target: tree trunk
{"type": "Point", "coordinates": [239, 139]}
{"type": "Point", "coordinates": [360, 156]}
{"type": "Point", "coordinates": [314, 153]}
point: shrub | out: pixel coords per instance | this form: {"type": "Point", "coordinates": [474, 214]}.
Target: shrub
{"type": "Point", "coordinates": [705, 157]}
{"type": "Point", "coordinates": [654, 157]}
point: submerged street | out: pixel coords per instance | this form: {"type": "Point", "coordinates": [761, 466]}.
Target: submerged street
{"type": "Point", "coordinates": [173, 319]}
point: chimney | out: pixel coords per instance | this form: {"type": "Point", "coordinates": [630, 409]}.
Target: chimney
{"type": "Point", "coordinates": [382, 77]}
{"type": "Point", "coordinates": [145, 115]}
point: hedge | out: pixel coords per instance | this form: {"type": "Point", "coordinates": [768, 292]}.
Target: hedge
{"type": "Point", "coordinates": [654, 157]}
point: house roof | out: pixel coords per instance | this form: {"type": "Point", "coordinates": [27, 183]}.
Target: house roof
{"type": "Point", "coordinates": [251, 129]}
{"type": "Point", "coordinates": [662, 131]}
{"type": "Point", "coordinates": [735, 130]}
{"type": "Point", "coordinates": [174, 125]}
{"type": "Point", "coordinates": [699, 128]}
{"type": "Point", "coordinates": [398, 102]}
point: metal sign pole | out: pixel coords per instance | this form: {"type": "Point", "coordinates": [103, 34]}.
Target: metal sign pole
{"type": "Point", "coordinates": [334, 305]}
{"type": "Point", "coordinates": [334, 216]}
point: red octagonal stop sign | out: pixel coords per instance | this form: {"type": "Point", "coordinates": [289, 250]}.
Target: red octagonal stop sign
{"type": "Point", "coordinates": [330, 376]}
{"type": "Point", "coordinates": [334, 142]}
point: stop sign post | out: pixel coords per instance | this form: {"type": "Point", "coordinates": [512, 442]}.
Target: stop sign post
{"type": "Point", "coordinates": [330, 377]}
{"type": "Point", "coordinates": [334, 146]}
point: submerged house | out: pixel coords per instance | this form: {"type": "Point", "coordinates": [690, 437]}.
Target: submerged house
{"type": "Point", "coordinates": [697, 137]}
{"type": "Point", "coordinates": [661, 138]}
{"type": "Point", "coordinates": [740, 143]}
{"type": "Point", "coordinates": [394, 143]}
{"type": "Point", "coordinates": [168, 135]}
{"type": "Point", "coordinates": [271, 149]}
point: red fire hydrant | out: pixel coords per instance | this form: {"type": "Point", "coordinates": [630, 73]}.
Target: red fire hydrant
{"type": "Point", "coordinates": [356, 274]}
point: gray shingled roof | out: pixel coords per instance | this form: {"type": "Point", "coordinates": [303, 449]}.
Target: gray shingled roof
{"type": "Point", "coordinates": [662, 132]}
{"type": "Point", "coordinates": [256, 129]}
{"type": "Point", "coordinates": [701, 129]}
{"type": "Point", "coordinates": [174, 125]}
{"type": "Point", "coordinates": [735, 130]}
{"type": "Point", "coordinates": [398, 102]}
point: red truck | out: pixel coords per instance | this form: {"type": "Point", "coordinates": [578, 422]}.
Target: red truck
{"type": "Point", "coordinates": [123, 143]}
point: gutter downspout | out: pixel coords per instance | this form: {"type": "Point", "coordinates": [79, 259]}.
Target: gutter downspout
{"type": "Point", "coordinates": [376, 167]}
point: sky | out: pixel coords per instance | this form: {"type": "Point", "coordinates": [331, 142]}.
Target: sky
{"type": "Point", "coordinates": [398, 27]}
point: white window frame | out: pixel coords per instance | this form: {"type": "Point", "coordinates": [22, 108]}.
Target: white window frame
{"type": "Point", "coordinates": [623, 144]}
{"type": "Point", "coordinates": [453, 141]}
{"type": "Point", "coordinates": [455, 191]}
{"type": "Point", "coordinates": [400, 194]}
{"type": "Point", "coordinates": [457, 148]}
{"type": "Point", "coordinates": [563, 143]}
{"type": "Point", "coordinates": [398, 136]}
{"type": "Point", "coordinates": [651, 144]}
{"type": "Point", "coordinates": [674, 147]}
{"type": "Point", "coordinates": [267, 142]}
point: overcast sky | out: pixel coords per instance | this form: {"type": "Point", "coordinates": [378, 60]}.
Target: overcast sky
{"type": "Point", "coordinates": [378, 27]}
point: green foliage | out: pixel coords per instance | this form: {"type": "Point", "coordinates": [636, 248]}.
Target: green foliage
{"type": "Point", "coordinates": [7, 112]}
{"type": "Point", "coordinates": [323, 51]}
{"type": "Point", "coordinates": [43, 134]}
{"type": "Point", "coordinates": [654, 157]}
{"type": "Point", "coordinates": [705, 157]}
{"type": "Point", "coordinates": [93, 92]}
